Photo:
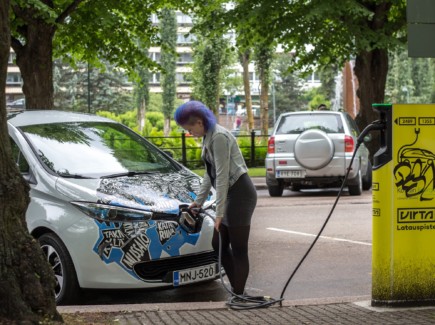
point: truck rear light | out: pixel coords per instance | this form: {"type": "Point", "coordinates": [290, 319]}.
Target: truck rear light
{"type": "Point", "coordinates": [348, 143]}
{"type": "Point", "coordinates": [271, 145]}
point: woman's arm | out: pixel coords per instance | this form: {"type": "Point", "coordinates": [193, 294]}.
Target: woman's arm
{"type": "Point", "coordinates": [221, 156]}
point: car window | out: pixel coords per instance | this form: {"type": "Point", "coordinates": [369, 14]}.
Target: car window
{"type": "Point", "coordinates": [298, 123]}
{"type": "Point", "coordinates": [18, 157]}
{"type": "Point", "coordinates": [353, 126]}
{"type": "Point", "coordinates": [94, 149]}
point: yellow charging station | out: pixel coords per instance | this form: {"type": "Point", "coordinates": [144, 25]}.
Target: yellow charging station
{"type": "Point", "coordinates": [403, 262]}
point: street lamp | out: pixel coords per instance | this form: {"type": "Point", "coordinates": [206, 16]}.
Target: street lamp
{"type": "Point", "coordinates": [273, 100]}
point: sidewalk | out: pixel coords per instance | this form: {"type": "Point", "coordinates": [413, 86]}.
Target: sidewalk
{"type": "Point", "coordinates": [259, 182]}
{"type": "Point", "coordinates": [345, 310]}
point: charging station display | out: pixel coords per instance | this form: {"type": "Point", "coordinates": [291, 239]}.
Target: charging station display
{"type": "Point", "coordinates": [404, 207]}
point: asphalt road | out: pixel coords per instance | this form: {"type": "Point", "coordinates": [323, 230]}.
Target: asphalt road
{"type": "Point", "coordinates": [282, 230]}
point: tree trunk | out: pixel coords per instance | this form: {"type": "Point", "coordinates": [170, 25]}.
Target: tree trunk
{"type": "Point", "coordinates": [264, 104]}
{"type": "Point", "coordinates": [36, 65]}
{"type": "Point", "coordinates": [26, 280]}
{"type": "Point", "coordinates": [141, 115]}
{"type": "Point", "coordinates": [371, 68]}
{"type": "Point", "coordinates": [247, 89]}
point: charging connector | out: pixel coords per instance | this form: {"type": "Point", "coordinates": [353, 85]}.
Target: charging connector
{"type": "Point", "coordinates": [378, 125]}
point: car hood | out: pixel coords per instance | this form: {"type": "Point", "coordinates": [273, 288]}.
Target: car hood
{"type": "Point", "coordinates": [152, 192]}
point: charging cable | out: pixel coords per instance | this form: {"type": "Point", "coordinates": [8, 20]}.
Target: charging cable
{"type": "Point", "coordinates": [239, 302]}
{"type": "Point", "coordinates": [376, 125]}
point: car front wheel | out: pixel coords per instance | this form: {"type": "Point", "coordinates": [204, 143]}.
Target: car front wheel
{"type": "Point", "coordinates": [367, 179]}
{"type": "Point", "coordinates": [356, 188]}
{"type": "Point", "coordinates": [67, 289]}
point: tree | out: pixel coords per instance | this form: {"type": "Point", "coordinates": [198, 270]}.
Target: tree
{"type": "Point", "coordinates": [263, 57]}
{"type": "Point", "coordinates": [410, 80]}
{"type": "Point", "coordinates": [168, 27]}
{"type": "Point", "coordinates": [211, 55]}
{"type": "Point", "coordinates": [325, 31]}
{"type": "Point", "coordinates": [87, 89]}
{"type": "Point", "coordinates": [288, 86]}
{"type": "Point", "coordinates": [80, 31]}
{"type": "Point", "coordinates": [26, 280]}
{"type": "Point", "coordinates": [142, 96]}
{"type": "Point", "coordinates": [245, 59]}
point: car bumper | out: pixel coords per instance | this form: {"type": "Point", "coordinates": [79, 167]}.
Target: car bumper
{"type": "Point", "coordinates": [122, 256]}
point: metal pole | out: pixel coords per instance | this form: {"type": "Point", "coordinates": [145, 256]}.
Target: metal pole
{"type": "Point", "coordinates": [252, 148]}
{"type": "Point", "coordinates": [89, 89]}
{"type": "Point", "coordinates": [273, 100]}
{"type": "Point", "coordinates": [183, 149]}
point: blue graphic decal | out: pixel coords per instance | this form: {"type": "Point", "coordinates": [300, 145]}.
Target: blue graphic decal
{"type": "Point", "coordinates": [129, 243]}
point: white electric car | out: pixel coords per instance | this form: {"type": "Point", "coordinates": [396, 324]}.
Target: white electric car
{"type": "Point", "coordinates": [107, 205]}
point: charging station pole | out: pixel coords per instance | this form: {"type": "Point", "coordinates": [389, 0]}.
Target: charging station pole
{"type": "Point", "coordinates": [403, 264]}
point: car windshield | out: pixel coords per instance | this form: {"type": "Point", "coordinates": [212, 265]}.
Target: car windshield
{"type": "Point", "coordinates": [298, 123]}
{"type": "Point", "coordinates": [95, 149]}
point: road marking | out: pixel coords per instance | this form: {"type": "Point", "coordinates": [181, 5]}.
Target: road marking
{"type": "Point", "coordinates": [323, 237]}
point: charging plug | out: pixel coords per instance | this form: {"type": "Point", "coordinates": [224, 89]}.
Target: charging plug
{"type": "Point", "coordinates": [374, 126]}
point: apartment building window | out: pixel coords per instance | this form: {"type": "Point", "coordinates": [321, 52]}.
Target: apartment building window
{"type": "Point", "coordinates": [183, 19]}
{"type": "Point", "coordinates": [154, 19]}
{"type": "Point", "coordinates": [183, 78]}
{"type": "Point", "coordinates": [313, 78]}
{"type": "Point", "coordinates": [11, 59]}
{"type": "Point", "coordinates": [185, 58]}
{"type": "Point", "coordinates": [155, 56]}
{"type": "Point", "coordinates": [183, 38]}
{"type": "Point", "coordinates": [155, 78]}
{"type": "Point", "coordinates": [13, 79]}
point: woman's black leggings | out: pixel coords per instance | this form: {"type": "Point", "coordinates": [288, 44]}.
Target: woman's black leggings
{"type": "Point", "coordinates": [234, 254]}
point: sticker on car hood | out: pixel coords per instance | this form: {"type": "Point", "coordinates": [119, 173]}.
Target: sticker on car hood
{"type": "Point", "coordinates": [156, 192]}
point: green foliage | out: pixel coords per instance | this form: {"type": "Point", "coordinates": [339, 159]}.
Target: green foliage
{"type": "Point", "coordinates": [153, 131]}
{"type": "Point", "coordinates": [154, 118]}
{"type": "Point", "coordinates": [109, 29]}
{"type": "Point", "coordinates": [410, 80]}
{"type": "Point", "coordinates": [168, 31]}
{"type": "Point", "coordinates": [211, 55]}
{"type": "Point", "coordinates": [104, 90]}
{"type": "Point", "coordinates": [288, 87]}
{"type": "Point", "coordinates": [314, 97]}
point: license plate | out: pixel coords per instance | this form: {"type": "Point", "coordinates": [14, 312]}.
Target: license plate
{"type": "Point", "coordinates": [195, 274]}
{"type": "Point", "coordinates": [290, 173]}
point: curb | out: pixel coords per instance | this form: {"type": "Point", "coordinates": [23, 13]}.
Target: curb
{"type": "Point", "coordinates": [178, 306]}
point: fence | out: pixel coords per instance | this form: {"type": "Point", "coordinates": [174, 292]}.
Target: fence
{"type": "Point", "coordinates": [186, 149]}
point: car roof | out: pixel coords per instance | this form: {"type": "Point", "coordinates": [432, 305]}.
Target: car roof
{"type": "Point", "coordinates": [35, 117]}
{"type": "Point", "coordinates": [313, 112]}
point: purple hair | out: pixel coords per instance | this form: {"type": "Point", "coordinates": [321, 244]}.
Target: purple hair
{"type": "Point", "coordinates": [192, 110]}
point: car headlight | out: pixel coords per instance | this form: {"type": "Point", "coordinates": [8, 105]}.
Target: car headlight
{"type": "Point", "coordinates": [105, 212]}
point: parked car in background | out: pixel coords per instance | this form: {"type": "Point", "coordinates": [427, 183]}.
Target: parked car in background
{"type": "Point", "coordinates": [17, 104]}
{"type": "Point", "coordinates": [107, 206]}
{"type": "Point", "coordinates": [312, 149]}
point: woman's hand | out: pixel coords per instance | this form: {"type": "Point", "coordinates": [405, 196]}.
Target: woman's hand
{"type": "Point", "coordinates": [194, 207]}
{"type": "Point", "coordinates": [217, 223]}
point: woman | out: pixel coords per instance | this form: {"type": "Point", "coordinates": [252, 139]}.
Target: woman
{"type": "Point", "coordinates": [236, 196]}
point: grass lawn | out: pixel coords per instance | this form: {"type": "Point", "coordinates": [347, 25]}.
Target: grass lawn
{"type": "Point", "coordinates": [253, 172]}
